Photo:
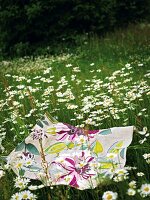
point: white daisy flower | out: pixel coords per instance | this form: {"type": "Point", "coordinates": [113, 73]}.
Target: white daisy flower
{"type": "Point", "coordinates": [21, 182]}
{"type": "Point", "coordinates": [1, 173]}
{"type": "Point", "coordinates": [69, 65]}
{"type": "Point", "coordinates": [140, 174]}
{"type": "Point", "coordinates": [33, 187]}
{"type": "Point", "coordinates": [132, 184]}
{"type": "Point", "coordinates": [131, 192]}
{"type": "Point", "coordinates": [145, 190]}
{"type": "Point", "coordinates": [16, 196]}
{"type": "Point", "coordinates": [109, 195]}
{"type": "Point", "coordinates": [121, 172]}
{"type": "Point", "coordinates": [28, 195]}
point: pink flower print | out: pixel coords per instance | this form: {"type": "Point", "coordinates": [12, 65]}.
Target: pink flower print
{"type": "Point", "coordinates": [71, 132]}
{"type": "Point", "coordinates": [78, 167]}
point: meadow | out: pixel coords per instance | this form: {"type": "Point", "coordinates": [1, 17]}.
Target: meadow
{"type": "Point", "coordinates": [102, 83]}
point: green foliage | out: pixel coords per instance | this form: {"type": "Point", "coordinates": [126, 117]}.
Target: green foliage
{"type": "Point", "coordinates": [28, 25]}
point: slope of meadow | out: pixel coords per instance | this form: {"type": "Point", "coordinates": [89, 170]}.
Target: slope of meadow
{"type": "Point", "coordinates": [104, 83]}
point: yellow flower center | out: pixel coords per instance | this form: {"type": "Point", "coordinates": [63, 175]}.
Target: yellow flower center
{"type": "Point", "coordinates": [17, 197]}
{"type": "Point", "coordinates": [25, 196]}
{"type": "Point", "coordinates": [81, 140]}
{"type": "Point", "coordinates": [146, 189]}
{"type": "Point", "coordinates": [19, 165]}
{"type": "Point", "coordinates": [121, 172]}
{"type": "Point", "coordinates": [109, 197]}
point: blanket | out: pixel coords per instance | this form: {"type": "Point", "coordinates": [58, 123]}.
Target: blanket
{"type": "Point", "coordinates": [58, 153]}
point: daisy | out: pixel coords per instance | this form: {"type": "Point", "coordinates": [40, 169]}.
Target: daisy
{"type": "Point", "coordinates": [140, 174]}
{"type": "Point", "coordinates": [28, 195]}
{"type": "Point", "coordinates": [132, 184]}
{"type": "Point", "coordinates": [131, 192]}
{"type": "Point", "coordinates": [109, 195]}
{"type": "Point", "coordinates": [1, 173]}
{"type": "Point", "coordinates": [145, 190]}
{"type": "Point", "coordinates": [21, 182]}
{"type": "Point", "coordinates": [16, 196]}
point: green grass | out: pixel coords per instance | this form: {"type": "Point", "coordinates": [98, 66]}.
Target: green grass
{"type": "Point", "coordinates": [130, 96]}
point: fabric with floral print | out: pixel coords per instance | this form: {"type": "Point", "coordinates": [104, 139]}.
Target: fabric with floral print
{"type": "Point", "coordinates": [67, 155]}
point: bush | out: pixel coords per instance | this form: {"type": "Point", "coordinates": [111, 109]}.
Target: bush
{"type": "Point", "coordinates": [29, 23]}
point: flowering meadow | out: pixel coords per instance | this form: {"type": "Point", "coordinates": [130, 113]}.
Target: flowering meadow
{"type": "Point", "coordinates": [104, 83]}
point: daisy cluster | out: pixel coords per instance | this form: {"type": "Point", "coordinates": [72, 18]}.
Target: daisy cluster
{"type": "Point", "coordinates": [84, 98]}
{"type": "Point", "coordinates": [92, 101]}
{"type": "Point", "coordinates": [26, 194]}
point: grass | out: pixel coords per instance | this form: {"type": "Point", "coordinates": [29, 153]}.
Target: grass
{"type": "Point", "coordinates": [115, 68]}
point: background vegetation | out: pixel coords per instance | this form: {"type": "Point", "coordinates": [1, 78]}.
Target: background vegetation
{"type": "Point", "coordinates": [37, 26]}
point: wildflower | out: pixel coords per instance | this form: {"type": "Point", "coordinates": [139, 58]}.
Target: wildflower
{"type": "Point", "coordinates": [98, 70]}
{"type": "Point", "coordinates": [40, 186]}
{"type": "Point", "coordinates": [16, 196]}
{"type": "Point", "coordinates": [120, 175]}
{"type": "Point", "coordinates": [131, 192]}
{"type": "Point", "coordinates": [20, 86]}
{"type": "Point", "coordinates": [109, 195]}
{"type": "Point", "coordinates": [121, 172]}
{"type": "Point", "coordinates": [147, 157]}
{"type": "Point", "coordinates": [33, 187]}
{"type": "Point", "coordinates": [142, 141]}
{"type": "Point", "coordinates": [145, 190]}
{"type": "Point", "coordinates": [28, 195]}
{"type": "Point", "coordinates": [76, 69]}
{"type": "Point", "coordinates": [127, 65]}
{"type": "Point", "coordinates": [89, 121]}
{"type": "Point", "coordinates": [21, 182]}
{"type": "Point", "coordinates": [143, 132]}
{"type": "Point", "coordinates": [71, 106]}
{"type": "Point", "coordinates": [132, 184]}
{"type": "Point", "coordinates": [140, 64]}
{"type": "Point", "coordinates": [140, 174]}
{"type": "Point", "coordinates": [92, 64]}
{"type": "Point", "coordinates": [2, 173]}
{"type": "Point", "coordinates": [69, 65]}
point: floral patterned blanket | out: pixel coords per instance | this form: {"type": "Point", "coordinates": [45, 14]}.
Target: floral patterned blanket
{"type": "Point", "coordinates": [58, 153]}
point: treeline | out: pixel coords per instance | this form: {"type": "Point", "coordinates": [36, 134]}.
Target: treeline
{"type": "Point", "coordinates": [28, 25]}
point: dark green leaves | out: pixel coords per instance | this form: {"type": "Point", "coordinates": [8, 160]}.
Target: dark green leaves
{"type": "Point", "coordinates": [20, 146]}
{"type": "Point", "coordinates": [32, 149]}
{"type": "Point", "coordinates": [39, 123]}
